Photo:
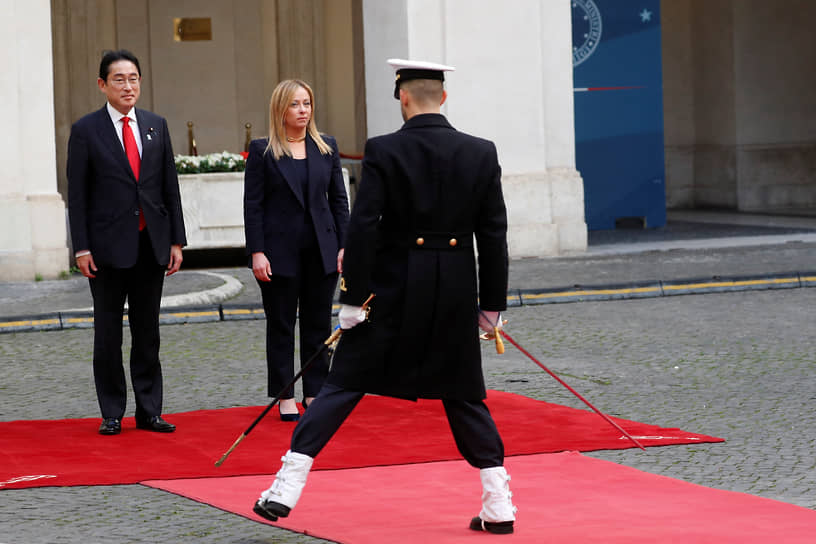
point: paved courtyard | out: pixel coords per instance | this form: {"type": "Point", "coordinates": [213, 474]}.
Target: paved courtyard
{"type": "Point", "coordinates": [738, 365]}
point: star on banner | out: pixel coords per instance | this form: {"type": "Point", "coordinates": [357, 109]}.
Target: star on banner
{"type": "Point", "coordinates": [645, 15]}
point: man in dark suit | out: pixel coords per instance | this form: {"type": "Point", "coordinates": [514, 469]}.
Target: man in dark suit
{"type": "Point", "coordinates": [127, 232]}
{"type": "Point", "coordinates": [426, 192]}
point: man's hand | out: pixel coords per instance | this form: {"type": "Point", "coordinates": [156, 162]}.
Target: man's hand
{"type": "Point", "coordinates": [261, 267]}
{"type": "Point", "coordinates": [351, 316]}
{"type": "Point", "coordinates": [175, 259]}
{"type": "Point", "coordinates": [488, 320]}
{"type": "Point", "coordinates": [86, 265]}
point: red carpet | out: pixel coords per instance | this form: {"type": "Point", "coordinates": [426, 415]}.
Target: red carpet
{"type": "Point", "coordinates": [70, 452]}
{"type": "Point", "coordinates": [563, 498]}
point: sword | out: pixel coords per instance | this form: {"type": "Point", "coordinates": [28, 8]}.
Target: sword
{"type": "Point", "coordinates": [327, 344]}
{"type": "Point", "coordinates": [500, 349]}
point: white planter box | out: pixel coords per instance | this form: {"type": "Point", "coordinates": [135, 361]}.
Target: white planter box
{"type": "Point", "coordinates": [213, 206]}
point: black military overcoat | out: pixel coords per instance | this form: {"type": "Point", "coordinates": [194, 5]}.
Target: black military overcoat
{"type": "Point", "coordinates": [427, 192]}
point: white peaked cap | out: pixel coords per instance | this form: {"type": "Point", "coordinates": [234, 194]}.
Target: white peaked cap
{"type": "Point", "coordinates": [401, 64]}
{"type": "Point", "coordinates": [417, 69]}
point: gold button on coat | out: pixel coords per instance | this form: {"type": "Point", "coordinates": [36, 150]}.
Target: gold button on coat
{"type": "Point", "coordinates": [420, 241]}
{"type": "Point", "coordinates": [452, 242]}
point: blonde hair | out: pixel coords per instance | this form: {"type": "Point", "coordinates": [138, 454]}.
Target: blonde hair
{"type": "Point", "coordinates": [278, 104]}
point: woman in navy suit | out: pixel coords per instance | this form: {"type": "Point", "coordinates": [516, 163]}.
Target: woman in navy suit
{"type": "Point", "coordinates": [295, 214]}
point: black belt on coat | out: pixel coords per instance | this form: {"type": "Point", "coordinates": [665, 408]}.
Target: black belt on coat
{"type": "Point", "coordinates": [428, 240]}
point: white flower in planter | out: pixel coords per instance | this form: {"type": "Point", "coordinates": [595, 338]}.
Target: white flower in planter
{"type": "Point", "coordinates": [213, 162]}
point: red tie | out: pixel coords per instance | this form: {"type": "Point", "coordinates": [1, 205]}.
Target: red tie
{"type": "Point", "coordinates": [132, 152]}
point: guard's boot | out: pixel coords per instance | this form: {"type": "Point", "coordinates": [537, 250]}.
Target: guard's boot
{"type": "Point", "coordinates": [498, 513]}
{"type": "Point", "coordinates": [281, 497]}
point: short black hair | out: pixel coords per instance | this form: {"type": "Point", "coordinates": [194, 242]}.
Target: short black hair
{"type": "Point", "coordinates": [109, 57]}
{"type": "Point", "coordinates": [408, 74]}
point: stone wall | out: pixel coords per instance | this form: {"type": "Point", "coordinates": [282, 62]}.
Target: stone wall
{"type": "Point", "coordinates": [219, 84]}
{"type": "Point", "coordinates": [740, 111]}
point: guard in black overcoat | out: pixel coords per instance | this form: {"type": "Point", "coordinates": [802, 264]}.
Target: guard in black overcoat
{"type": "Point", "coordinates": [427, 192]}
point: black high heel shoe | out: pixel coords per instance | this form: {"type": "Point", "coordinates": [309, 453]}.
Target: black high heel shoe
{"type": "Point", "coordinates": [288, 417]}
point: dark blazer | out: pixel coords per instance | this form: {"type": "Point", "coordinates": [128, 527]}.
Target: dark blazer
{"type": "Point", "coordinates": [274, 208]}
{"type": "Point", "coordinates": [104, 198]}
{"type": "Point", "coordinates": [426, 181]}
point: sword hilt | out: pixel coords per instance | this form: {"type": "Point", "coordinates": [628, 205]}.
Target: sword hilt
{"type": "Point", "coordinates": [499, 343]}
{"type": "Point", "coordinates": [366, 308]}
{"type": "Point", "coordinates": [332, 340]}
{"type": "Point", "coordinates": [495, 336]}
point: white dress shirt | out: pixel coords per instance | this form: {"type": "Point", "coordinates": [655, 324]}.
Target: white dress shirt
{"type": "Point", "coordinates": [116, 119]}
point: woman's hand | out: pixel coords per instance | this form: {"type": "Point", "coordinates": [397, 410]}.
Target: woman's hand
{"type": "Point", "coordinates": [175, 259]}
{"type": "Point", "coordinates": [340, 260]}
{"type": "Point", "coordinates": [260, 267]}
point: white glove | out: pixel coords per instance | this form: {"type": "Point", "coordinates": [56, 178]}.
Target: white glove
{"type": "Point", "coordinates": [351, 316]}
{"type": "Point", "coordinates": [488, 319]}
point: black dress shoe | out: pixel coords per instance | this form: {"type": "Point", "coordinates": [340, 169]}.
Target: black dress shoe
{"type": "Point", "coordinates": [288, 417]}
{"type": "Point", "coordinates": [271, 510]}
{"type": "Point", "coordinates": [497, 528]}
{"type": "Point", "coordinates": [156, 424]}
{"type": "Point", "coordinates": [110, 425]}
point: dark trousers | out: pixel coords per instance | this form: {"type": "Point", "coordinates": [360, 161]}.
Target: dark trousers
{"type": "Point", "coordinates": [472, 426]}
{"type": "Point", "coordinates": [306, 298]}
{"type": "Point", "coordinates": [141, 285]}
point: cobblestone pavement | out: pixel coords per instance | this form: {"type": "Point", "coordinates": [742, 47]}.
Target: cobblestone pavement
{"type": "Point", "coordinates": [590, 269]}
{"type": "Point", "coordinates": [693, 244]}
{"type": "Point", "coordinates": [737, 365]}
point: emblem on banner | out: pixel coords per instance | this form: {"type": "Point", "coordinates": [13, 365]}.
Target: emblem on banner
{"type": "Point", "coordinates": [586, 30]}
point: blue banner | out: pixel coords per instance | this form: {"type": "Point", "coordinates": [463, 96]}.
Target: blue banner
{"type": "Point", "coordinates": [618, 80]}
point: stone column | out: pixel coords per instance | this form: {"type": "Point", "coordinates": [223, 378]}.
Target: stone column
{"type": "Point", "coordinates": [32, 213]}
{"type": "Point", "coordinates": [512, 85]}
{"type": "Point", "coordinates": [715, 119]}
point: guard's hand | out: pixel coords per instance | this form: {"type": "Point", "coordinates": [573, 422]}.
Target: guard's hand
{"type": "Point", "coordinates": [175, 259]}
{"type": "Point", "coordinates": [488, 320]}
{"type": "Point", "coordinates": [86, 265]}
{"type": "Point", "coordinates": [351, 316]}
{"type": "Point", "coordinates": [261, 267]}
